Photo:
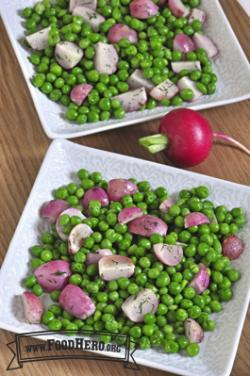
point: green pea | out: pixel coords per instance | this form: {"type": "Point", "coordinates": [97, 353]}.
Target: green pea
{"type": "Point", "coordinates": [192, 349]}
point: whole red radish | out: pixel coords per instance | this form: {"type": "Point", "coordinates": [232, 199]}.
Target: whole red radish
{"type": "Point", "coordinates": [187, 137]}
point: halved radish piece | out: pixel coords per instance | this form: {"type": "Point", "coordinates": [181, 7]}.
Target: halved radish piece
{"type": "Point", "coordinates": [133, 100]}
{"type": "Point", "coordinates": [114, 267]}
{"type": "Point", "coordinates": [186, 83]}
{"type": "Point", "coordinates": [148, 225]}
{"type": "Point", "coordinates": [68, 54]}
{"type": "Point", "coordinates": [76, 302]}
{"type": "Point", "coordinates": [71, 212]}
{"type": "Point", "coordinates": [170, 255]}
{"type": "Point", "coordinates": [232, 247]}
{"type": "Point", "coordinates": [136, 307]}
{"type": "Point", "coordinates": [178, 8]}
{"type": "Point", "coordinates": [193, 331]}
{"type": "Point", "coordinates": [129, 214]}
{"type": "Point", "coordinates": [80, 92]}
{"type": "Point", "coordinates": [77, 236]}
{"type": "Point", "coordinates": [39, 40]}
{"type": "Point", "coordinates": [178, 66]}
{"type": "Point", "coordinates": [165, 90]}
{"type": "Point", "coordinates": [33, 307]}
{"type": "Point", "coordinates": [91, 4]}
{"type": "Point", "coordinates": [166, 204]}
{"type": "Point", "coordinates": [90, 16]}
{"type": "Point", "coordinates": [197, 14]}
{"type": "Point", "coordinates": [120, 31]}
{"type": "Point", "coordinates": [195, 219]}
{"type": "Point", "coordinates": [106, 58]}
{"type": "Point", "coordinates": [143, 9]}
{"type": "Point", "coordinates": [183, 43]}
{"type": "Point", "coordinates": [93, 258]}
{"type": "Point", "coordinates": [203, 41]}
{"type": "Point", "coordinates": [52, 209]}
{"type": "Point", "coordinates": [137, 80]}
{"type": "Point", "coordinates": [95, 193]}
{"type": "Point", "coordinates": [201, 280]}
{"type": "Point", "coordinates": [53, 275]}
{"type": "Point", "coordinates": [118, 188]}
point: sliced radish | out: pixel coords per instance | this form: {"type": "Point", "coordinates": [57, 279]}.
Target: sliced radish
{"type": "Point", "coordinates": [201, 280]}
{"type": "Point", "coordinates": [186, 83]}
{"type": "Point", "coordinates": [203, 41]}
{"type": "Point", "coordinates": [166, 204]}
{"type": "Point", "coordinates": [76, 302]}
{"type": "Point", "coordinates": [71, 212]}
{"type": "Point", "coordinates": [197, 14]}
{"type": "Point", "coordinates": [93, 258]}
{"type": "Point", "coordinates": [137, 80]}
{"type": "Point", "coordinates": [195, 219]}
{"type": "Point", "coordinates": [165, 90]}
{"type": "Point", "coordinates": [95, 193]}
{"type": "Point", "coordinates": [143, 9]}
{"type": "Point", "coordinates": [232, 247]}
{"type": "Point", "coordinates": [39, 40]}
{"type": "Point", "coordinates": [114, 267]}
{"type": "Point", "coordinates": [183, 43]}
{"type": "Point", "coordinates": [133, 100]}
{"type": "Point", "coordinates": [80, 92]}
{"type": "Point", "coordinates": [106, 58]}
{"type": "Point", "coordinates": [68, 54]}
{"type": "Point", "coordinates": [148, 225]}
{"type": "Point", "coordinates": [77, 236]}
{"type": "Point", "coordinates": [52, 209]}
{"type": "Point", "coordinates": [193, 331]}
{"type": "Point", "coordinates": [178, 66]}
{"type": "Point", "coordinates": [178, 8]}
{"type": "Point", "coordinates": [33, 307]}
{"type": "Point", "coordinates": [136, 307]}
{"type": "Point", "coordinates": [129, 214]}
{"type": "Point", "coordinates": [170, 255]}
{"type": "Point", "coordinates": [117, 188]}
{"type": "Point", "coordinates": [120, 31]}
{"type": "Point", "coordinates": [91, 4]}
{"type": "Point", "coordinates": [90, 16]}
{"type": "Point", "coordinates": [53, 275]}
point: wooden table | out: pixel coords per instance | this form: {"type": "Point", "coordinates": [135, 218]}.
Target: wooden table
{"type": "Point", "coordinates": [23, 145]}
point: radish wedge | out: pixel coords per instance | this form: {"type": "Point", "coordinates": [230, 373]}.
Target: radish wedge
{"type": "Point", "coordinates": [203, 41]}
{"type": "Point", "coordinates": [165, 90]}
{"type": "Point", "coordinates": [170, 255]}
{"type": "Point", "coordinates": [80, 92]}
{"type": "Point", "coordinates": [93, 258]}
{"type": "Point", "coordinates": [76, 302]}
{"type": "Point", "coordinates": [232, 247]}
{"type": "Point", "coordinates": [120, 31]}
{"type": "Point", "coordinates": [117, 188]}
{"type": "Point", "coordinates": [114, 267]}
{"type": "Point", "coordinates": [148, 225]}
{"type": "Point", "coordinates": [186, 83]}
{"type": "Point", "coordinates": [71, 212]}
{"type": "Point", "coordinates": [132, 100]}
{"type": "Point", "coordinates": [178, 8]}
{"type": "Point", "coordinates": [106, 58]}
{"type": "Point", "coordinates": [178, 66]}
{"type": "Point", "coordinates": [137, 80]}
{"type": "Point", "coordinates": [91, 4]}
{"type": "Point", "coordinates": [197, 14]}
{"type": "Point", "coordinates": [201, 280]}
{"type": "Point", "coordinates": [143, 9]}
{"type": "Point", "coordinates": [195, 219]}
{"type": "Point", "coordinates": [166, 204]}
{"type": "Point", "coordinates": [183, 43]}
{"type": "Point", "coordinates": [52, 209]}
{"type": "Point", "coordinates": [95, 193]}
{"type": "Point", "coordinates": [136, 307]}
{"type": "Point", "coordinates": [53, 275]}
{"type": "Point", "coordinates": [68, 54]}
{"type": "Point", "coordinates": [77, 236]}
{"type": "Point", "coordinates": [39, 40]}
{"type": "Point", "coordinates": [193, 331]}
{"type": "Point", "coordinates": [129, 214]}
{"type": "Point", "coordinates": [33, 307]}
{"type": "Point", "coordinates": [90, 16]}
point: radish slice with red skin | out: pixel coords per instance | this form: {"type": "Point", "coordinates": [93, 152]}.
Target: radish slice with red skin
{"type": "Point", "coordinates": [170, 255]}
{"type": "Point", "coordinates": [119, 31]}
{"type": "Point", "coordinates": [52, 209]}
{"type": "Point", "coordinates": [80, 92]}
{"type": "Point", "coordinates": [76, 302]}
{"type": "Point", "coordinates": [117, 188]}
{"type": "Point", "coordinates": [178, 66]}
{"type": "Point", "coordinates": [193, 331]}
{"type": "Point", "coordinates": [178, 8]}
{"type": "Point", "coordinates": [183, 43]}
{"type": "Point", "coordinates": [71, 212]}
{"type": "Point", "coordinates": [33, 307]}
{"type": "Point", "coordinates": [129, 214]}
{"type": "Point", "coordinates": [232, 247]}
{"type": "Point", "coordinates": [136, 307]}
{"type": "Point", "coordinates": [195, 219]}
{"type": "Point", "coordinates": [132, 100]}
{"type": "Point", "coordinates": [197, 14]}
{"type": "Point", "coordinates": [143, 9]}
{"type": "Point", "coordinates": [77, 236]}
{"type": "Point", "coordinates": [187, 137]}
{"type": "Point", "coordinates": [93, 258]}
{"type": "Point", "coordinates": [95, 193]}
{"type": "Point", "coordinates": [186, 83]}
{"type": "Point", "coordinates": [203, 41]}
{"type": "Point", "coordinates": [53, 275]}
{"type": "Point", "coordinates": [201, 280]}
{"type": "Point", "coordinates": [115, 266]}
{"type": "Point", "coordinates": [148, 225]}
{"type": "Point", "coordinates": [166, 204]}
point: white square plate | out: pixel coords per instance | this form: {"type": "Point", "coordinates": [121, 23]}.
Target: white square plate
{"type": "Point", "coordinates": [231, 66]}
{"type": "Point", "coordinates": [62, 160]}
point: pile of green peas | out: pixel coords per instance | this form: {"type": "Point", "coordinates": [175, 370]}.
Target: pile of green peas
{"type": "Point", "coordinates": [153, 54]}
{"type": "Point", "coordinates": [178, 301]}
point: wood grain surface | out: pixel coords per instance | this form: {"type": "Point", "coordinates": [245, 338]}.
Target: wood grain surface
{"type": "Point", "coordinates": [23, 145]}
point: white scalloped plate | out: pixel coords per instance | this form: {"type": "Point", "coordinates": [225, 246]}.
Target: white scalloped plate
{"type": "Point", "coordinates": [62, 160]}
{"type": "Point", "coordinates": [231, 66]}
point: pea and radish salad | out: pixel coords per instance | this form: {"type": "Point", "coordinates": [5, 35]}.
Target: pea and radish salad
{"type": "Point", "coordinates": [104, 58]}
{"type": "Point", "coordinates": [124, 257]}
